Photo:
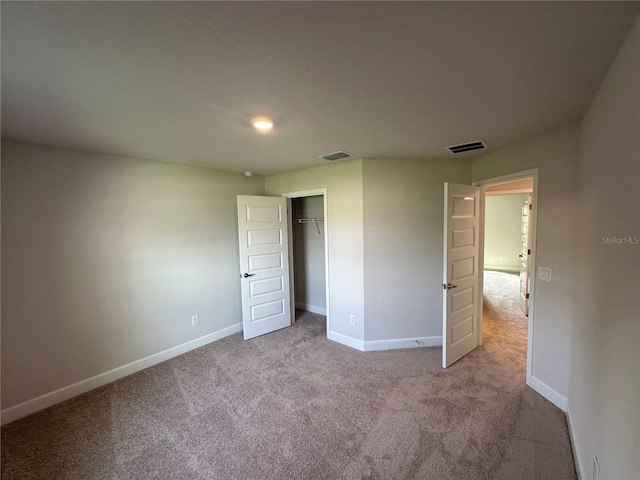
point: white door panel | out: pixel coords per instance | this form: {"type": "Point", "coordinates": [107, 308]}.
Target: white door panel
{"type": "Point", "coordinates": [264, 264]}
{"type": "Point", "coordinates": [525, 256]}
{"type": "Point", "coordinates": [461, 272]}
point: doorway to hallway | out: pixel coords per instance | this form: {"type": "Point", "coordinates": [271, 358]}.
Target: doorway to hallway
{"type": "Point", "coordinates": [507, 262]}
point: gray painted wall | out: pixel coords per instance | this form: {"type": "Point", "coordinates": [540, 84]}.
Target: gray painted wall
{"type": "Point", "coordinates": [502, 234]}
{"type": "Point", "coordinates": [403, 241]}
{"type": "Point", "coordinates": [308, 253]}
{"type": "Point", "coordinates": [556, 155]}
{"type": "Point", "coordinates": [105, 259]}
{"type": "Point", "coordinates": [604, 394]}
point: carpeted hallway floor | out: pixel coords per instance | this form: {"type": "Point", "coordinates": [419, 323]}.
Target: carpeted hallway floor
{"type": "Point", "coordinates": [294, 405]}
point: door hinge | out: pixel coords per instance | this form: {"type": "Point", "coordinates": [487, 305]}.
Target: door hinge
{"type": "Point", "coordinates": [530, 206]}
{"type": "Point", "coordinates": [529, 252]}
{"type": "Point", "coordinates": [527, 295]}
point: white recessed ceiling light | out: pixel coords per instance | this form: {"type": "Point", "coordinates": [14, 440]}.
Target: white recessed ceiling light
{"type": "Point", "coordinates": [263, 124]}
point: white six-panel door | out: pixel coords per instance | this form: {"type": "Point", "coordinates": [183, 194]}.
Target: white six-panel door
{"type": "Point", "coordinates": [264, 264]}
{"type": "Point", "coordinates": [461, 272]}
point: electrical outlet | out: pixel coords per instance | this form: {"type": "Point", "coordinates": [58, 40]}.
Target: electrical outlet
{"type": "Point", "coordinates": [195, 320]}
{"type": "Point", "coordinates": [352, 319]}
{"type": "Point", "coordinates": [596, 469]}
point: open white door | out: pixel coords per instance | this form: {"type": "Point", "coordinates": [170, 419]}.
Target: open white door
{"type": "Point", "coordinates": [462, 270]}
{"type": "Point", "coordinates": [264, 264]}
{"type": "Point", "coordinates": [525, 256]}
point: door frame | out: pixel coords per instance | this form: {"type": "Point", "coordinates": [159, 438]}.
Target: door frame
{"type": "Point", "coordinates": [325, 199]}
{"type": "Point", "coordinates": [511, 177]}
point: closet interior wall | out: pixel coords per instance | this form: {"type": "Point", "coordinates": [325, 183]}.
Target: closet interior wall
{"type": "Point", "coordinates": [308, 254]}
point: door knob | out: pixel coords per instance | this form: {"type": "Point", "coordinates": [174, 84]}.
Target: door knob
{"type": "Point", "coordinates": [248, 275]}
{"type": "Point", "coordinates": [521, 255]}
{"type": "Point", "coordinates": [448, 286]}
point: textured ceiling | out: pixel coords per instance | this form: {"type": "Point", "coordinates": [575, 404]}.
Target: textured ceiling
{"type": "Point", "coordinates": [179, 81]}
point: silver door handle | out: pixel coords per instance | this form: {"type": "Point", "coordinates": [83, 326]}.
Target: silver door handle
{"type": "Point", "coordinates": [521, 255]}
{"type": "Point", "coordinates": [448, 286]}
{"type": "Point", "coordinates": [248, 275]}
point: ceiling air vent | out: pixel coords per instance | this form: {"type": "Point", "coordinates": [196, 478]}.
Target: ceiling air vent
{"type": "Point", "coordinates": [336, 156]}
{"type": "Point", "coordinates": [467, 147]}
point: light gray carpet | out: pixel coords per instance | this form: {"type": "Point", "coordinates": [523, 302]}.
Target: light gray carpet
{"type": "Point", "coordinates": [294, 405]}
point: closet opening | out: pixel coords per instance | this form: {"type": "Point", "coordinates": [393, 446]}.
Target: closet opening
{"type": "Point", "coordinates": [309, 256]}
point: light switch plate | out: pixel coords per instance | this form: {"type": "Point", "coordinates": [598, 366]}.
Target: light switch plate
{"type": "Point", "coordinates": [545, 273]}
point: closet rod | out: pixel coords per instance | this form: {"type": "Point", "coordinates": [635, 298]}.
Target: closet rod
{"type": "Point", "coordinates": [313, 221]}
{"type": "Point", "coordinates": [308, 220]}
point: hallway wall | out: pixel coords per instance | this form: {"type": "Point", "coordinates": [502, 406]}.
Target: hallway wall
{"type": "Point", "coordinates": [502, 237]}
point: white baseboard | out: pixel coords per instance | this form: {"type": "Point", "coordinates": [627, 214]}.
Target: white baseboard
{"type": "Point", "coordinates": [501, 268]}
{"type": "Point", "coordinates": [346, 340]}
{"type": "Point", "coordinates": [574, 447]}
{"type": "Point", "coordinates": [414, 342]}
{"type": "Point", "coordinates": [48, 399]}
{"type": "Point", "coordinates": [549, 393]}
{"type": "Point", "coordinates": [311, 308]}
{"type": "Point", "coordinates": [379, 345]}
